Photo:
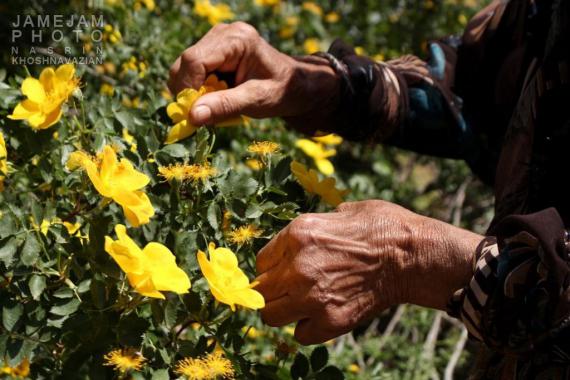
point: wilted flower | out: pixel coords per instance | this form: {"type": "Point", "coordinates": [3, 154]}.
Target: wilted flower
{"type": "Point", "coordinates": [263, 148]}
{"type": "Point", "coordinates": [214, 13]}
{"type": "Point", "coordinates": [319, 153]}
{"type": "Point", "coordinates": [123, 360]}
{"type": "Point", "coordinates": [150, 270]}
{"type": "Point", "coordinates": [3, 161]}
{"type": "Point", "coordinates": [45, 96]}
{"type": "Point", "coordinates": [326, 189]}
{"type": "Point", "coordinates": [200, 172]}
{"type": "Point", "coordinates": [211, 367]}
{"type": "Point", "coordinates": [22, 370]}
{"type": "Point", "coordinates": [175, 171]}
{"type": "Point", "coordinates": [227, 281]}
{"type": "Point", "coordinates": [244, 234]}
{"type": "Point", "coordinates": [117, 180]}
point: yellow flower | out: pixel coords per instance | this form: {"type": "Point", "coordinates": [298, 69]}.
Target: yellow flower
{"type": "Point", "coordinates": [150, 270]}
{"type": "Point", "coordinates": [125, 359]}
{"type": "Point", "coordinates": [117, 180]}
{"type": "Point", "coordinates": [330, 139]}
{"type": "Point", "coordinates": [227, 282]}
{"type": "Point", "coordinates": [244, 234]}
{"type": "Point", "coordinates": [44, 225]}
{"type": "Point", "coordinates": [290, 27]}
{"type": "Point", "coordinates": [179, 111]}
{"type": "Point", "coordinates": [311, 45]}
{"type": "Point", "coordinates": [332, 17]}
{"type": "Point", "coordinates": [149, 4]}
{"type": "Point", "coordinates": [326, 189]}
{"type": "Point", "coordinates": [312, 7]}
{"type": "Point", "coordinates": [200, 172]}
{"type": "Point", "coordinates": [353, 368]}
{"type": "Point", "coordinates": [106, 89]}
{"type": "Point", "coordinates": [254, 164]}
{"type": "Point", "coordinates": [359, 50]}
{"type": "Point", "coordinates": [214, 13]}
{"type": "Point", "coordinates": [211, 367]}
{"type": "Point", "coordinates": [319, 153]}
{"type": "Point", "coordinates": [263, 147]}
{"type": "Point", "coordinates": [267, 3]}
{"type": "Point", "coordinates": [22, 370]}
{"type": "Point", "coordinates": [45, 96]}
{"type": "Point", "coordinates": [130, 140]}
{"type": "Point", "coordinates": [3, 161]}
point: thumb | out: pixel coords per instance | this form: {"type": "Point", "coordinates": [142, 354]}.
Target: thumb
{"type": "Point", "coordinates": [215, 107]}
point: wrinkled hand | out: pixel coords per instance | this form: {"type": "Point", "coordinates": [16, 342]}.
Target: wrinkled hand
{"type": "Point", "coordinates": [268, 82]}
{"type": "Point", "coordinates": [330, 272]}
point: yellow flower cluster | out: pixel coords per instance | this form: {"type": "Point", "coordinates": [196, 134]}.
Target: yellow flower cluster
{"type": "Point", "coordinates": [45, 96]}
{"type": "Point", "coordinates": [227, 282]}
{"type": "Point", "coordinates": [111, 34]}
{"type": "Point", "coordinates": [134, 65]}
{"type": "Point", "coordinates": [179, 111]}
{"type": "Point", "coordinates": [215, 13]}
{"type": "Point", "coordinates": [326, 188]}
{"type": "Point", "coordinates": [150, 270]}
{"type": "Point", "coordinates": [318, 151]}
{"type": "Point", "coordinates": [124, 360]}
{"type": "Point", "coordinates": [183, 172]}
{"type": "Point", "coordinates": [117, 180]}
{"type": "Point", "coordinates": [3, 161]}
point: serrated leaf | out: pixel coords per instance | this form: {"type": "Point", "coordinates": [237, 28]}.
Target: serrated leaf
{"type": "Point", "coordinates": [319, 358]}
{"type": "Point", "coordinates": [30, 250]}
{"type": "Point", "coordinates": [11, 315]}
{"type": "Point", "coordinates": [37, 286]}
{"type": "Point", "coordinates": [66, 308]}
{"type": "Point", "coordinates": [300, 367]}
{"type": "Point", "coordinates": [213, 215]}
{"type": "Point", "coordinates": [8, 248]}
{"type": "Point", "coordinates": [175, 150]}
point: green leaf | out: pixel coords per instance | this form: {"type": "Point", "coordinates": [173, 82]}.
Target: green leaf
{"type": "Point", "coordinates": [214, 215]}
{"type": "Point", "coordinates": [175, 150]}
{"type": "Point", "coordinates": [253, 211]}
{"type": "Point", "coordinates": [30, 250]}
{"type": "Point", "coordinates": [125, 118]}
{"type": "Point", "coordinates": [66, 308]}
{"type": "Point", "coordinates": [282, 170]}
{"type": "Point", "coordinates": [319, 358]}
{"type": "Point", "coordinates": [8, 248]}
{"type": "Point", "coordinates": [7, 226]}
{"type": "Point", "coordinates": [160, 374]}
{"type": "Point", "coordinates": [130, 330]}
{"type": "Point", "coordinates": [37, 285]}
{"type": "Point", "coordinates": [238, 186]}
{"type": "Point", "coordinates": [11, 315]}
{"type": "Point", "coordinates": [330, 373]}
{"type": "Point", "coordinates": [300, 367]}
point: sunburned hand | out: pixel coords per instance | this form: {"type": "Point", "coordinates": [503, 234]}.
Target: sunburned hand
{"type": "Point", "coordinates": [330, 272]}
{"type": "Point", "coordinates": [268, 82]}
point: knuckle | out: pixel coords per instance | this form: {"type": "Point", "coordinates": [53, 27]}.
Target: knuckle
{"type": "Point", "coordinates": [245, 30]}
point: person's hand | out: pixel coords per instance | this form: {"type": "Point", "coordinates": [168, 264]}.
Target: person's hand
{"type": "Point", "coordinates": [332, 271]}
{"type": "Point", "coordinates": [268, 82]}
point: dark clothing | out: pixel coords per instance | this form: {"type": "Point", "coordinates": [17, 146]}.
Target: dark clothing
{"type": "Point", "coordinates": [499, 98]}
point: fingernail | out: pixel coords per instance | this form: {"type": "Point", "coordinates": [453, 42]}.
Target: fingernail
{"type": "Point", "coordinates": [201, 114]}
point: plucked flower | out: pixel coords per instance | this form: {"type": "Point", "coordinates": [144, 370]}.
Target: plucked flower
{"type": "Point", "coordinates": [215, 13]}
{"type": "Point", "coordinates": [3, 161]}
{"type": "Point", "coordinates": [326, 188]}
{"type": "Point", "coordinates": [330, 139]}
{"type": "Point", "coordinates": [244, 234]}
{"type": "Point", "coordinates": [124, 360]}
{"type": "Point", "coordinates": [45, 96]}
{"type": "Point", "coordinates": [318, 153]}
{"type": "Point", "coordinates": [117, 180]}
{"type": "Point", "coordinates": [179, 111]}
{"type": "Point", "coordinates": [211, 367]}
{"type": "Point", "coordinates": [150, 270]}
{"type": "Point", "coordinates": [227, 282]}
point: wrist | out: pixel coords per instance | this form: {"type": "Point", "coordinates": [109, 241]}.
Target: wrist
{"type": "Point", "coordinates": [439, 263]}
{"type": "Point", "coordinates": [314, 94]}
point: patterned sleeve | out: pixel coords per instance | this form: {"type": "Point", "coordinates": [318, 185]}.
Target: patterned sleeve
{"type": "Point", "coordinates": [518, 299]}
{"type": "Point", "coordinates": [406, 102]}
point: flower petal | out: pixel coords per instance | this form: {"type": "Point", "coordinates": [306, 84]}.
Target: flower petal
{"type": "Point", "coordinates": [180, 131]}
{"type": "Point", "coordinates": [325, 166]}
{"type": "Point", "coordinates": [33, 89]}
